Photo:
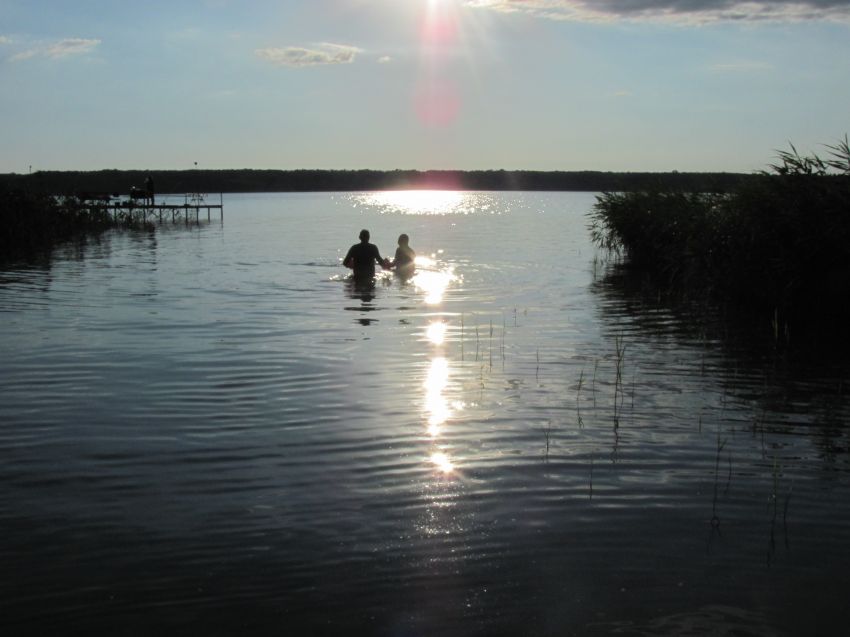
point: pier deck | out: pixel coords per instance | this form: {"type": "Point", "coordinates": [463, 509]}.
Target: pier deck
{"type": "Point", "coordinates": [189, 209]}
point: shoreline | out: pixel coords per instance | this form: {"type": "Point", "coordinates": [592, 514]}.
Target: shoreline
{"type": "Point", "coordinates": [249, 180]}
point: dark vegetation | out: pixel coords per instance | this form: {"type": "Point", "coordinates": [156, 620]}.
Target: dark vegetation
{"type": "Point", "coordinates": [778, 243]}
{"type": "Point", "coordinates": [211, 181]}
{"type": "Point", "coordinates": [32, 223]}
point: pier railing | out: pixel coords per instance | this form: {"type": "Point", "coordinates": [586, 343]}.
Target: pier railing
{"type": "Point", "coordinates": [149, 209]}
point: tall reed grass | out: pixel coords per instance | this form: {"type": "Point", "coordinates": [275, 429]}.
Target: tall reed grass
{"type": "Point", "coordinates": [779, 242]}
{"type": "Point", "coordinates": [32, 223]}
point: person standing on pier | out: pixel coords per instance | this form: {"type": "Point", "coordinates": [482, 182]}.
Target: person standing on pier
{"type": "Point", "coordinates": [363, 256]}
{"type": "Point", "coordinates": [149, 190]}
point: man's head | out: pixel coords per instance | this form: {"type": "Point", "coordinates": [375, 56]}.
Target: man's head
{"type": "Point", "coordinates": [364, 235]}
{"type": "Point", "coordinates": [403, 239]}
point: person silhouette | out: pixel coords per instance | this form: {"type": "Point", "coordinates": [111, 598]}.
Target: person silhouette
{"type": "Point", "coordinates": [149, 190]}
{"type": "Point", "coordinates": [404, 256]}
{"type": "Point", "coordinates": [363, 256]}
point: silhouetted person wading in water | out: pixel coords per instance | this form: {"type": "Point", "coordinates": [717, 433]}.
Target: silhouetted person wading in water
{"type": "Point", "coordinates": [404, 256]}
{"type": "Point", "coordinates": [363, 256]}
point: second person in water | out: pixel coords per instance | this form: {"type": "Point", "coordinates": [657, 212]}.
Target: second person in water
{"type": "Point", "coordinates": [404, 256]}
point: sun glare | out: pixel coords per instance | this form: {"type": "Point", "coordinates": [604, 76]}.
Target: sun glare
{"type": "Point", "coordinates": [442, 462]}
{"type": "Point", "coordinates": [436, 332]}
{"type": "Point", "coordinates": [418, 202]}
{"type": "Point", "coordinates": [435, 402]}
{"type": "Point", "coordinates": [433, 283]}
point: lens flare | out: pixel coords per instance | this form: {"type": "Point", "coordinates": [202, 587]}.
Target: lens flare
{"type": "Point", "coordinates": [437, 100]}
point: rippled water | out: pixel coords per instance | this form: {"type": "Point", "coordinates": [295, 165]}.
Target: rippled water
{"type": "Point", "coordinates": [207, 429]}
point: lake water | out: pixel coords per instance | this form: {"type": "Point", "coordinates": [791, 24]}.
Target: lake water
{"type": "Point", "coordinates": [207, 429]}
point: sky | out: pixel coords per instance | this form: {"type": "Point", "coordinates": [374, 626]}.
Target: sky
{"type": "Point", "coordinates": [612, 85]}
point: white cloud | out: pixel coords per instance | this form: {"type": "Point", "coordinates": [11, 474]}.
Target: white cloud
{"type": "Point", "coordinates": [384, 59]}
{"type": "Point", "coordinates": [677, 11]}
{"type": "Point", "coordinates": [70, 46]}
{"type": "Point", "coordinates": [323, 53]}
{"type": "Point", "coordinates": [60, 49]}
{"type": "Point", "coordinates": [5, 40]}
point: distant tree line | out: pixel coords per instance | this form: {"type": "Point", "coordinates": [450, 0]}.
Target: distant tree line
{"type": "Point", "coordinates": [244, 180]}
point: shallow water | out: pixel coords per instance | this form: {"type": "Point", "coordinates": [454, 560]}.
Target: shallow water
{"type": "Point", "coordinates": [208, 429]}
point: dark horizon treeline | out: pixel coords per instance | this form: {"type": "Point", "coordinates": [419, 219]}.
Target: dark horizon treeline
{"type": "Point", "coordinates": [248, 180]}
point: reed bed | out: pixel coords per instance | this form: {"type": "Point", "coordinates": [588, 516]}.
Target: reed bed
{"type": "Point", "coordinates": [778, 243]}
{"type": "Point", "coordinates": [32, 223]}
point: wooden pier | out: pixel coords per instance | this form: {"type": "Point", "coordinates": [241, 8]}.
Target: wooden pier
{"type": "Point", "coordinates": [135, 210]}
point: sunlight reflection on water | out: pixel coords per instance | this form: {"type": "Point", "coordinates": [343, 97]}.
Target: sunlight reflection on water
{"type": "Point", "coordinates": [428, 202]}
{"type": "Point", "coordinates": [435, 402]}
{"type": "Point", "coordinates": [436, 332]}
{"type": "Point", "coordinates": [442, 462]}
{"type": "Point", "coordinates": [432, 280]}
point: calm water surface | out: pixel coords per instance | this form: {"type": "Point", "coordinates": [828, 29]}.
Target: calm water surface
{"type": "Point", "coordinates": [209, 430]}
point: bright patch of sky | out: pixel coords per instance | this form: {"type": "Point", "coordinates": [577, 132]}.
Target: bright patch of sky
{"type": "Point", "coordinates": [445, 84]}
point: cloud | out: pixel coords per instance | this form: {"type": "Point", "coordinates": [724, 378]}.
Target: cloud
{"type": "Point", "coordinates": [676, 11]}
{"type": "Point", "coordinates": [70, 46]}
{"type": "Point", "coordinates": [323, 53]}
{"type": "Point", "coordinates": [5, 40]}
{"type": "Point", "coordinates": [384, 59]}
{"type": "Point", "coordinates": [60, 49]}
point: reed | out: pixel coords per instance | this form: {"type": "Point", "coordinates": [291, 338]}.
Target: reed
{"type": "Point", "coordinates": [578, 400]}
{"type": "Point", "coordinates": [773, 504]}
{"type": "Point", "coordinates": [773, 499]}
{"type": "Point", "coordinates": [593, 381]}
{"type": "Point", "coordinates": [33, 223]}
{"type": "Point", "coordinates": [502, 346]}
{"type": "Point", "coordinates": [547, 435]}
{"type": "Point", "coordinates": [777, 242]}
{"type": "Point", "coordinates": [490, 345]}
{"type": "Point", "coordinates": [620, 351]}
{"type": "Point", "coordinates": [721, 443]}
